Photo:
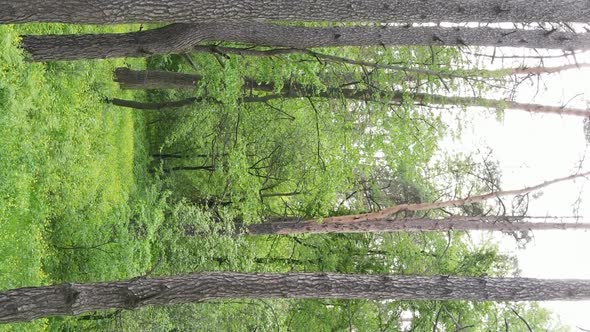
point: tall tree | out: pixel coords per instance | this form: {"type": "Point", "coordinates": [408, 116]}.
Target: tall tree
{"type": "Point", "coordinates": [296, 90]}
{"type": "Point", "coordinates": [181, 38]}
{"type": "Point", "coordinates": [158, 79]}
{"type": "Point", "coordinates": [25, 304]}
{"type": "Point", "coordinates": [135, 11]}
{"type": "Point", "coordinates": [378, 225]}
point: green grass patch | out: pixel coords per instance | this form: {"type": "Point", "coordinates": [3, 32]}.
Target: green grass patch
{"type": "Point", "coordinates": [72, 172]}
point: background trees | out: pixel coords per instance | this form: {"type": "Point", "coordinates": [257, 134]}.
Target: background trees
{"type": "Point", "coordinates": [267, 135]}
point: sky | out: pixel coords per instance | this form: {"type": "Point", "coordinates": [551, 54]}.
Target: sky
{"type": "Point", "coordinates": [530, 149]}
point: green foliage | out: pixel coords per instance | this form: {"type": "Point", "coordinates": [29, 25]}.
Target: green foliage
{"type": "Point", "coordinates": [71, 170]}
{"type": "Point", "coordinates": [83, 200]}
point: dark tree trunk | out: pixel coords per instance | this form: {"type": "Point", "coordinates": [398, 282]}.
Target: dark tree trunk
{"type": "Point", "coordinates": [159, 79]}
{"type": "Point", "coordinates": [135, 11]}
{"type": "Point", "coordinates": [186, 156]}
{"type": "Point", "coordinates": [169, 156]}
{"type": "Point", "coordinates": [154, 106]}
{"type": "Point", "coordinates": [25, 304]}
{"type": "Point", "coordinates": [382, 225]}
{"type": "Point", "coordinates": [274, 260]}
{"type": "Point", "coordinates": [208, 168]}
{"type": "Point", "coordinates": [155, 79]}
{"type": "Point", "coordinates": [181, 38]}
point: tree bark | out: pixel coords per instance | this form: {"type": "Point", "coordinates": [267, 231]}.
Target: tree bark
{"type": "Point", "coordinates": [389, 225]}
{"type": "Point", "coordinates": [25, 304]}
{"type": "Point", "coordinates": [159, 79]}
{"type": "Point", "coordinates": [296, 90]}
{"type": "Point", "coordinates": [162, 80]}
{"type": "Point", "coordinates": [155, 79]}
{"type": "Point", "coordinates": [197, 11]}
{"type": "Point", "coordinates": [468, 73]}
{"type": "Point", "coordinates": [181, 38]}
{"type": "Point", "coordinates": [153, 106]}
{"type": "Point", "coordinates": [209, 168]}
{"type": "Point", "coordinates": [420, 98]}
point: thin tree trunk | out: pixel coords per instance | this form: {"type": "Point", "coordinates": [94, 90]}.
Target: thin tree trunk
{"type": "Point", "coordinates": [159, 79]}
{"type": "Point", "coordinates": [546, 70]}
{"type": "Point", "coordinates": [389, 225]}
{"type": "Point", "coordinates": [181, 38]}
{"type": "Point", "coordinates": [186, 156]}
{"type": "Point", "coordinates": [209, 168]}
{"type": "Point", "coordinates": [197, 11]}
{"type": "Point", "coordinates": [274, 260]}
{"type": "Point", "coordinates": [452, 203]}
{"type": "Point", "coordinates": [243, 51]}
{"type": "Point", "coordinates": [298, 91]}
{"type": "Point", "coordinates": [153, 105]}
{"type": "Point", "coordinates": [295, 90]}
{"type": "Point", "coordinates": [499, 104]}
{"type": "Point", "coordinates": [25, 304]}
{"type": "Point", "coordinates": [169, 156]}
{"type": "Point", "coordinates": [293, 193]}
{"type": "Point", "coordinates": [155, 79]}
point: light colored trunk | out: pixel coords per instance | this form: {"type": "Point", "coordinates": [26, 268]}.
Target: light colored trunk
{"type": "Point", "coordinates": [389, 225]}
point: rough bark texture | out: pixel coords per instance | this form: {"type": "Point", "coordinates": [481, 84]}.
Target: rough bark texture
{"type": "Point", "coordinates": [181, 38]}
{"type": "Point", "coordinates": [381, 225]}
{"type": "Point", "coordinates": [135, 11]}
{"type": "Point", "coordinates": [72, 299]}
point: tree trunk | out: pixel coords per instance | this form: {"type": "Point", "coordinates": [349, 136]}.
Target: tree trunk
{"type": "Point", "coordinates": [197, 11]}
{"type": "Point", "coordinates": [388, 225]}
{"type": "Point", "coordinates": [155, 79]}
{"type": "Point", "coordinates": [162, 80]}
{"type": "Point", "coordinates": [153, 106]}
{"type": "Point", "coordinates": [181, 38]}
{"type": "Point", "coordinates": [25, 304]}
{"type": "Point", "coordinates": [274, 260]}
{"type": "Point", "coordinates": [296, 90]}
{"type": "Point", "coordinates": [209, 168]}
{"type": "Point", "coordinates": [159, 79]}
{"type": "Point", "coordinates": [546, 70]}
{"type": "Point", "coordinates": [458, 74]}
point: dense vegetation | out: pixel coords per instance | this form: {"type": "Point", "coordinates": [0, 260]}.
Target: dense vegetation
{"type": "Point", "coordinates": [91, 191]}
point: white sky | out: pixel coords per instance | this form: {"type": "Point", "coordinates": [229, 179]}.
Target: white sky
{"type": "Point", "coordinates": [530, 150]}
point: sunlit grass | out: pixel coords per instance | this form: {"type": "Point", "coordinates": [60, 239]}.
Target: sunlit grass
{"type": "Point", "coordinates": [67, 178]}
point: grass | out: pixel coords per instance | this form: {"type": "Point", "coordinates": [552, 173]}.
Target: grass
{"type": "Point", "coordinates": [72, 173]}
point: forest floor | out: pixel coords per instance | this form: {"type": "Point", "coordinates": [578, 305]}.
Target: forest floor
{"type": "Point", "coordinates": [71, 169]}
